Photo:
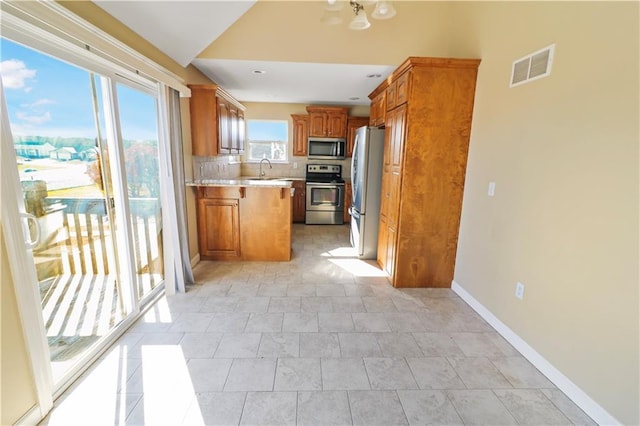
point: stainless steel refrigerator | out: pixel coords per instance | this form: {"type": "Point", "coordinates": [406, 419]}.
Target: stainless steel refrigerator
{"type": "Point", "coordinates": [366, 182]}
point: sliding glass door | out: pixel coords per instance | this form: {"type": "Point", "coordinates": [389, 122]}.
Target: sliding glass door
{"type": "Point", "coordinates": [88, 171]}
{"type": "Point", "coordinates": [140, 136]}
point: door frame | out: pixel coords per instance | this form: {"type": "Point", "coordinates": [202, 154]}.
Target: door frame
{"type": "Point", "coordinates": [22, 267]}
{"type": "Point", "coordinates": [50, 28]}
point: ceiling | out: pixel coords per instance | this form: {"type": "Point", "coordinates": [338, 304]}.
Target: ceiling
{"type": "Point", "coordinates": [183, 29]}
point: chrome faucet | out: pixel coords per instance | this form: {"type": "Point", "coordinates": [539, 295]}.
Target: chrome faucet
{"type": "Point", "coordinates": [270, 166]}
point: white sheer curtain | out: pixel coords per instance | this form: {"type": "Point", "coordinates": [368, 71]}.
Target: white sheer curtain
{"type": "Point", "coordinates": [177, 164]}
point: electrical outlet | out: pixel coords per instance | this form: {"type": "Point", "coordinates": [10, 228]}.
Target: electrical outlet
{"type": "Point", "coordinates": [492, 189]}
{"type": "Point", "coordinates": [519, 290]}
{"type": "Point", "coordinates": [295, 165]}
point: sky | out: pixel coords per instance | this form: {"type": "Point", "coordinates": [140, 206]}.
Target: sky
{"type": "Point", "coordinates": [48, 97]}
{"type": "Point", "coordinates": [267, 130]}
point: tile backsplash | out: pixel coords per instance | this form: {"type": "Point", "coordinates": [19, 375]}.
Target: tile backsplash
{"type": "Point", "coordinates": [231, 166]}
{"type": "Point", "coordinates": [221, 167]}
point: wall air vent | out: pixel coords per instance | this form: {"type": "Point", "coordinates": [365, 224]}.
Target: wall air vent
{"type": "Point", "coordinates": [532, 67]}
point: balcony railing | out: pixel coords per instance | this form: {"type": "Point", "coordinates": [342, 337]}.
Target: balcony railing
{"type": "Point", "coordinates": [77, 266]}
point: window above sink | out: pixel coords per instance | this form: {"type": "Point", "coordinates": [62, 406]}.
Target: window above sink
{"type": "Point", "coordinates": [267, 139]}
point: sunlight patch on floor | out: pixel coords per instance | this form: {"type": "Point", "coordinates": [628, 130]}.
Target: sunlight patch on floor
{"type": "Point", "coordinates": [158, 313]}
{"type": "Point", "coordinates": [359, 268]}
{"type": "Point", "coordinates": [341, 252]}
{"type": "Point", "coordinates": [96, 398]}
{"type": "Point", "coordinates": [168, 392]}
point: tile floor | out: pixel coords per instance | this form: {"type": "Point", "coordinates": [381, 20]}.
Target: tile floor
{"type": "Point", "coordinates": [320, 340]}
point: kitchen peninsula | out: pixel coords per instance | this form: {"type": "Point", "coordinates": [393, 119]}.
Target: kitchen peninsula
{"type": "Point", "coordinates": [244, 219]}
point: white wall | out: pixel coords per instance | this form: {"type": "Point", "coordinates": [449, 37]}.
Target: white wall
{"type": "Point", "coordinates": [563, 152]}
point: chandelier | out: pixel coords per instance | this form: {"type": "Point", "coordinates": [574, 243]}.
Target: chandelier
{"type": "Point", "coordinates": [382, 10]}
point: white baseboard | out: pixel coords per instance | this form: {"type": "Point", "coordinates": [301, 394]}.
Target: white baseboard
{"type": "Point", "coordinates": [577, 395]}
{"type": "Point", "coordinates": [195, 260]}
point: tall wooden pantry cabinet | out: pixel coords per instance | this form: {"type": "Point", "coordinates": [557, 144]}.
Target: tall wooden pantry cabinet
{"type": "Point", "coordinates": [429, 104]}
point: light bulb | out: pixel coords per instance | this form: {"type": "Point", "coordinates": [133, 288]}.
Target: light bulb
{"type": "Point", "coordinates": [360, 22]}
{"type": "Point", "coordinates": [383, 10]}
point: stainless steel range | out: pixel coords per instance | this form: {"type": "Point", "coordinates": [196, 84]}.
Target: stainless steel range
{"type": "Point", "coordinates": [325, 195]}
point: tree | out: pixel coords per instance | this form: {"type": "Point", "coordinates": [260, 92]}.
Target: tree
{"type": "Point", "coordinates": [141, 163]}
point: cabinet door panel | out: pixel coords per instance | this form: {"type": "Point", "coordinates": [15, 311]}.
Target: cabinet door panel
{"type": "Point", "coordinates": [299, 201]}
{"type": "Point", "coordinates": [379, 109]}
{"type": "Point", "coordinates": [318, 124]}
{"type": "Point", "coordinates": [300, 134]}
{"type": "Point", "coordinates": [241, 131]}
{"type": "Point", "coordinates": [382, 242]}
{"type": "Point", "coordinates": [353, 124]}
{"type": "Point", "coordinates": [347, 202]}
{"type": "Point", "coordinates": [395, 180]}
{"type": "Point", "coordinates": [402, 88]}
{"type": "Point", "coordinates": [204, 126]}
{"type": "Point", "coordinates": [391, 252]}
{"type": "Point", "coordinates": [233, 127]}
{"type": "Point", "coordinates": [391, 96]}
{"type": "Point", "coordinates": [385, 193]}
{"type": "Point", "coordinates": [224, 127]}
{"type": "Point", "coordinates": [399, 126]}
{"type": "Point", "coordinates": [388, 141]}
{"type": "Point", "coordinates": [336, 125]}
{"type": "Point", "coordinates": [219, 227]}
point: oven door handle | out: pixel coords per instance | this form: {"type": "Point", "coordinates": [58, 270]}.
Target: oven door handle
{"type": "Point", "coordinates": [324, 185]}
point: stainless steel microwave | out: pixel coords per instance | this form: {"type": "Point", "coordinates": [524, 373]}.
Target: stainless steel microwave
{"type": "Point", "coordinates": [327, 148]}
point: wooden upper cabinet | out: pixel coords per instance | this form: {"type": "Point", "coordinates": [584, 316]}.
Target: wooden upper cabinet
{"type": "Point", "coordinates": [318, 124]}
{"type": "Point", "coordinates": [353, 124]}
{"type": "Point", "coordinates": [217, 121]}
{"type": "Point", "coordinates": [337, 124]}
{"type": "Point", "coordinates": [398, 91]}
{"type": "Point", "coordinates": [224, 127]}
{"type": "Point", "coordinates": [300, 134]}
{"type": "Point", "coordinates": [391, 96]}
{"type": "Point", "coordinates": [204, 123]}
{"type": "Point", "coordinates": [327, 122]}
{"type": "Point", "coordinates": [241, 132]}
{"type": "Point", "coordinates": [402, 88]}
{"type": "Point", "coordinates": [378, 108]}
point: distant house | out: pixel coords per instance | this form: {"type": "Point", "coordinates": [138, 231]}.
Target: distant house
{"type": "Point", "coordinates": [64, 154]}
{"type": "Point", "coordinates": [90, 154]}
{"type": "Point", "coordinates": [32, 149]}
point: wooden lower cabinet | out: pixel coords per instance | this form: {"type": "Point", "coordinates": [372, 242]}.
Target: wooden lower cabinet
{"type": "Point", "coordinates": [299, 201]}
{"type": "Point", "coordinates": [244, 223]}
{"type": "Point", "coordinates": [347, 201]}
{"type": "Point", "coordinates": [219, 228]}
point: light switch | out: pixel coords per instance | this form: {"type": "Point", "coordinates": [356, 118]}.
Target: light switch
{"type": "Point", "coordinates": [492, 189]}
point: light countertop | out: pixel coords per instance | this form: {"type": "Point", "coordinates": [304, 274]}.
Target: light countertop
{"type": "Point", "coordinates": [279, 182]}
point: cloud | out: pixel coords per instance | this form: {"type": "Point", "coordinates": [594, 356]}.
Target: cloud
{"type": "Point", "coordinates": [34, 119]}
{"type": "Point", "coordinates": [38, 103]}
{"type": "Point", "coordinates": [23, 129]}
{"type": "Point", "coordinates": [15, 73]}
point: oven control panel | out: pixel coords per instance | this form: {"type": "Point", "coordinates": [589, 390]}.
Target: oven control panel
{"type": "Point", "coordinates": [324, 168]}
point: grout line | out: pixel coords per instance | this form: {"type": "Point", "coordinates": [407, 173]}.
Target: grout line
{"type": "Point", "coordinates": [402, 406]}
